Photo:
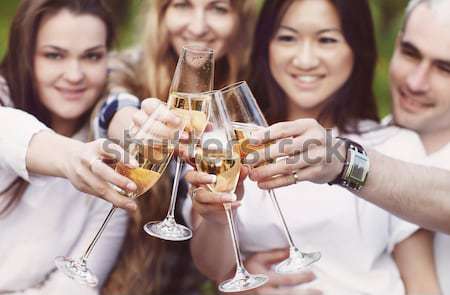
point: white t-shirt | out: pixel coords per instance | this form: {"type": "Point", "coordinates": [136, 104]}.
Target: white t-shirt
{"type": "Point", "coordinates": [355, 237]}
{"type": "Point", "coordinates": [441, 159]}
{"type": "Point", "coordinates": [51, 219]}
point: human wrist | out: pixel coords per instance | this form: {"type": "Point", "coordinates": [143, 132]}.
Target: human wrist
{"type": "Point", "coordinates": [355, 168]}
{"type": "Point", "coordinates": [68, 147]}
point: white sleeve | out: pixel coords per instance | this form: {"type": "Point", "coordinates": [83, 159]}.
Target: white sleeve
{"type": "Point", "coordinates": [56, 284]}
{"type": "Point", "coordinates": [101, 260]}
{"type": "Point", "coordinates": [16, 131]}
{"type": "Point", "coordinates": [399, 230]}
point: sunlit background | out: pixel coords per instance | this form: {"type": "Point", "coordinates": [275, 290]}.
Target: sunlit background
{"type": "Point", "coordinates": [387, 15]}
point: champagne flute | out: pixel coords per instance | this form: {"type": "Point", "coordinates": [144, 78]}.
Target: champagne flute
{"type": "Point", "coordinates": [190, 98]}
{"type": "Point", "coordinates": [218, 155]}
{"type": "Point", "coordinates": [247, 118]}
{"type": "Point", "coordinates": [152, 147]}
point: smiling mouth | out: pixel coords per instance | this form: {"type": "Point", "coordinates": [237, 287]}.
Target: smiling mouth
{"type": "Point", "coordinates": [307, 82]}
{"type": "Point", "coordinates": [71, 93]}
{"type": "Point", "coordinates": [409, 103]}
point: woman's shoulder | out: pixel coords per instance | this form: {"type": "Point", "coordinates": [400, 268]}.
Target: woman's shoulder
{"type": "Point", "coordinates": [5, 98]}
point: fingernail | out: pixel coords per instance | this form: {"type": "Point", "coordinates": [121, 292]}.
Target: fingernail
{"type": "Point", "coordinates": [229, 197]}
{"type": "Point", "coordinates": [131, 186]}
{"type": "Point", "coordinates": [131, 206]}
{"type": "Point", "coordinates": [249, 160]}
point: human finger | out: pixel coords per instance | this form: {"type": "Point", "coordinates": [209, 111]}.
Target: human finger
{"type": "Point", "coordinates": [281, 167]}
{"type": "Point", "coordinates": [105, 148]}
{"type": "Point", "coordinates": [197, 178]}
{"type": "Point", "coordinates": [106, 173]}
{"type": "Point", "coordinates": [288, 146]}
{"type": "Point", "coordinates": [284, 130]}
{"type": "Point", "coordinates": [105, 191]}
{"type": "Point", "coordinates": [150, 105]}
{"type": "Point", "coordinates": [306, 174]}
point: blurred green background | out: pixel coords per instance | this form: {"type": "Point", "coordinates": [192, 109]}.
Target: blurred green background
{"type": "Point", "coordinates": [387, 16]}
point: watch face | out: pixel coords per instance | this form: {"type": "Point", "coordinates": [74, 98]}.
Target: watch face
{"type": "Point", "coordinates": [359, 168]}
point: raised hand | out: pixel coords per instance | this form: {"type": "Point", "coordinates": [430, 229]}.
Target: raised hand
{"type": "Point", "coordinates": [302, 151]}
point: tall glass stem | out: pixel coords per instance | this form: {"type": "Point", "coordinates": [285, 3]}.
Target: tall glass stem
{"type": "Point", "coordinates": [232, 226]}
{"type": "Point", "coordinates": [91, 246]}
{"type": "Point", "coordinates": [273, 197]}
{"type": "Point", "coordinates": [176, 181]}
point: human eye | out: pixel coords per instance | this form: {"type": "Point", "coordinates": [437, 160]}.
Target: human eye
{"type": "Point", "coordinates": [180, 4]}
{"type": "Point", "coordinates": [285, 38]}
{"type": "Point", "coordinates": [221, 8]}
{"type": "Point", "coordinates": [53, 55]}
{"type": "Point", "coordinates": [328, 40]}
{"type": "Point", "coordinates": [410, 51]}
{"type": "Point", "coordinates": [444, 67]}
{"type": "Point", "coordinates": [94, 56]}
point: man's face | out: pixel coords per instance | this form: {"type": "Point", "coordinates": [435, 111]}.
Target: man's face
{"type": "Point", "coordinates": [420, 73]}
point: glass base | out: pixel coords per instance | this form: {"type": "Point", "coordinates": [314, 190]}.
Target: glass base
{"type": "Point", "coordinates": [76, 270]}
{"type": "Point", "coordinates": [243, 283]}
{"type": "Point", "coordinates": [168, 230]}
{"type": "Point", "coordinates": [297, 262]}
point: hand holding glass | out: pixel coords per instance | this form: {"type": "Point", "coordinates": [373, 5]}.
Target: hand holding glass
{"type": "Point", "coordinates": [152, 147]}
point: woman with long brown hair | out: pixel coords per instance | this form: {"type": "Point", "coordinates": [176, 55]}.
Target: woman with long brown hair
{"type": "Point", "coordinates": [55, 69]}
{"type": "Point", "coordinates": [148, 265]}
{"type": "Point", "coordinates": [314, 60]}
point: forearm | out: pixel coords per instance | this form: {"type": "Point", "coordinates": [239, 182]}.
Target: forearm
{"type": "Point", "coordinates": [47, 153]}
{"type": "Point", "coordinates": [212, 250]}
{"type": "Point", "coordinates": [415, 193]}
{"type": "Point", "coordinates": [414, 258]}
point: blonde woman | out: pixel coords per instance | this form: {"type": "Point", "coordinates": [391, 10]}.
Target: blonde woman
{"type": "Point", "coordinates": [148, 265]}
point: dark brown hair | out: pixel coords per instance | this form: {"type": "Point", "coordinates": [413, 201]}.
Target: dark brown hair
{"type": "Point", "coordinates": [349, 104]}
{"type": "Point", "coordinates": [17, 66]}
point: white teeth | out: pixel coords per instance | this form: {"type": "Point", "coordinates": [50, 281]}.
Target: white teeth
{"type": "Point", "coordinates": [307, 79]}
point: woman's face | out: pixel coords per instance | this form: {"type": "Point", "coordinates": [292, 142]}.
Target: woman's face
{"type": "Point", "coordinates": [309, 57]}
{"type": "Point", "coordinates": [70, 65]}
{"type": "Point", "coordinates": [210, 23]}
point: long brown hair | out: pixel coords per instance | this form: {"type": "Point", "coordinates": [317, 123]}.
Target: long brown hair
{"type": "Point", "coordinates": [351, 103]}
{"type": "Point", "coordinates": [17, 67]}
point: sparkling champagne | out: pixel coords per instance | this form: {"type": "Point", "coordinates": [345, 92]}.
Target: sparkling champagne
{"type": "Point", "coordinates": [192, 108]}
{"type": "Point", "coordinates": [152, 162]}
{"type": "Point", "coordinates": [225, 165]}
{"type": "Point", "coordinates": [243, 132]}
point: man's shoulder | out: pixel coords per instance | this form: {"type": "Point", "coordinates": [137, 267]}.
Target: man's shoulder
{"type": "Point", "coordinates": [440, 159]}
{"type": "Point", "coordinates": [396, 141]}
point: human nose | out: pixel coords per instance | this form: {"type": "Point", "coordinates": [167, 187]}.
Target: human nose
{"type": "Point", "coordinates": [74, 72]}
{"type": "Point", "coordinates": [198, 25]}
{"type": "Point", "coordinates": [417, 80]}
{"type": "Point", "coordinates": [306, 57]}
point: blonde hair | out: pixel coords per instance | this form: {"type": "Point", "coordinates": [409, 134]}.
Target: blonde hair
{"type": "Point", "coordinates": [147, 265]}
{"type": "Point", "coordinates": [150, 73]}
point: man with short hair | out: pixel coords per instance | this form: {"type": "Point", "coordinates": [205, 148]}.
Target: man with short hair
{"type": "Point", "coordinates": [420, 88]}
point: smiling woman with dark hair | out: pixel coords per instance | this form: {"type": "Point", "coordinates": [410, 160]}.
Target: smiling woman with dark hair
{"type": "Point", "coordinates": [314, 60]}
